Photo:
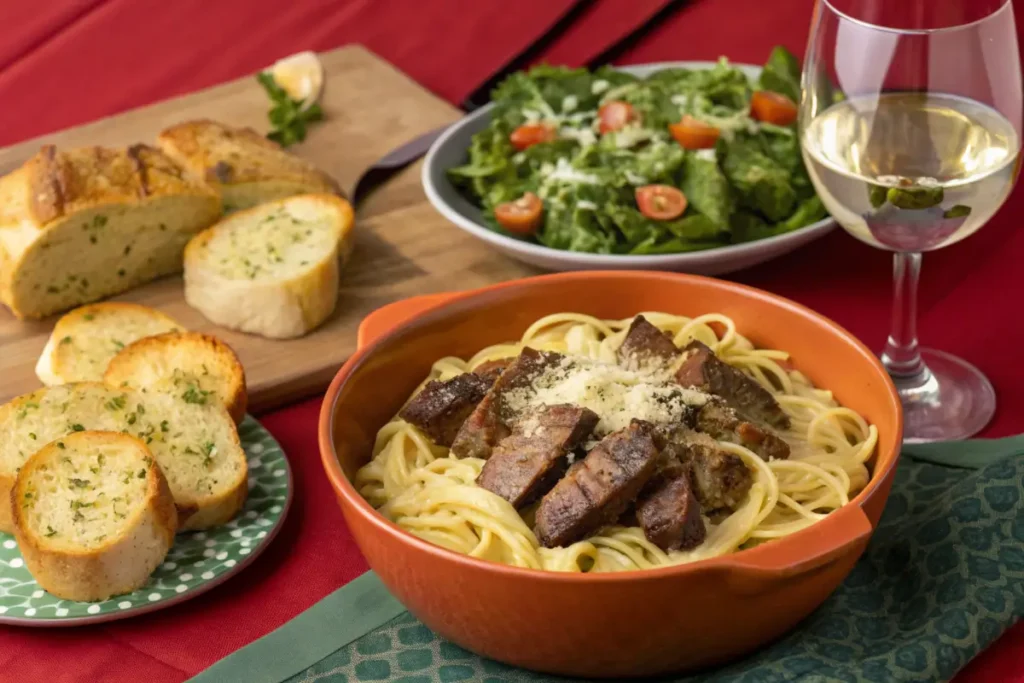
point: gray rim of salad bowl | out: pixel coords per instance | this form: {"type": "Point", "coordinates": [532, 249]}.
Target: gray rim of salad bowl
{"type": "Point", "coordinates": [460, 211]}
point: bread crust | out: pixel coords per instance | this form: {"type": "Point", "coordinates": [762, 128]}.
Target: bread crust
{"type": "Point", "coordinates": [274, 308]}
{"type": "Point", "coordinates": [61, 183]}
{"type": "Point", "coordinates": [201, 352]}
{"type": "Point", "coordinates": [122, 563]}
{"type": "Point", "coordinates": [195, 511]}
{"type": "Point", "coordinates": [52, 199]}
{"type": "Point", "coordinates": [230, 159]}
{"type": "Point", "coordinates": [54, 365]}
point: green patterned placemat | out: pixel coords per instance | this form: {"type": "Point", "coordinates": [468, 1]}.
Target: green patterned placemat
{"type": "Point", "coordinates": [197, 562]}
{"type": "Point", "coordinates": [942, 577]}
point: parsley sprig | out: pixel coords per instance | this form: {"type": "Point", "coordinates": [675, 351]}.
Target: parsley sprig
{"type": "Point", "coordinates": [287, 116]}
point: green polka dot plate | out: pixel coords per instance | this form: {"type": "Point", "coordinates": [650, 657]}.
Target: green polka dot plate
{"type": "Point", "coordinates": [198, 561]}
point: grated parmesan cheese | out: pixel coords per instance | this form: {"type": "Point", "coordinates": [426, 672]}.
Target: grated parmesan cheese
{"type": "Point", "coordinates": [532, 115]}
{"type": "Point", "coordinates": [584, 136]}
{"type": "Point", "coordinates": [587, 205]}
{"type": "Point", "coordinates": [564, 172]}
{"type": "Point", "coordinates": [706, 154]}
{"type": "Point", "coordinates": [569, 103]}
{"type": "Point", "coordinates": [631, 136]}
{"type": "Point", "coordinates": [616, 394]}
{"type": "Point", "coordinates": [599, 86]}
{"type": "Point", "coordinates": [635, 178]}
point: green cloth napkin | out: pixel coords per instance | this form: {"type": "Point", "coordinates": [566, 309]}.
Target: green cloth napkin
{"type": "Point", "coordinates": [942, 578]}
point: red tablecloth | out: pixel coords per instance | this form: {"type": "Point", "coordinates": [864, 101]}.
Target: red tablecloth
{"type": "Point", "coordinates": [64, 62]}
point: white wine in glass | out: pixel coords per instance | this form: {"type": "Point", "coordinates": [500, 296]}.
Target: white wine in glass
{"type": "Point", "coordinates": [910, 121]}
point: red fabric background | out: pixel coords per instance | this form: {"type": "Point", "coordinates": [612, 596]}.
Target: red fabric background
{"type": "Point", "coordinates": [64, 62]}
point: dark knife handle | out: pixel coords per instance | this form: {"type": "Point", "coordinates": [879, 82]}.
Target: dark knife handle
{"type": "Point", "coordinates": [482, 94]}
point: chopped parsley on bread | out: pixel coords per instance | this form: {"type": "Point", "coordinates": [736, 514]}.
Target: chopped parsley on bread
{"type": "Point", "coordinates": [196, 367]}
{"type": "Point", "coordinates": [271, 270]}
{"type": "Point", "coordinates": [93, 515]}
{"type": "Point", "coordinates": [245, 167]}
{"type": "Point", "coordinates": [196, 444]}
{"type": "Point", "coordinates": [85, 340]}
{"type": "Point", "coordinates": [78, 225]}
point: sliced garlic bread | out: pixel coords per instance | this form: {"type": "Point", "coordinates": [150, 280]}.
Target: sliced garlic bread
{"type": "Point", "coordinates": [194, 366]}
{"type": "Point", "coordinates": [273, 269]}
{"type": "Point", "coordinates": [93, 515]}
{"type": "Point", "coordinates": [83, 224]}
{"type": "Point", "coordinates": [195, 442]}
{"type": "Point", "coordinates": [84, 340]}
{"type": "Point", "coordinates": [245, 167]}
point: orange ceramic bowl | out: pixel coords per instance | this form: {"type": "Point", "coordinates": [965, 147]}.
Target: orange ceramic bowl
{"type": "Point", "coordinates": [633, 623]}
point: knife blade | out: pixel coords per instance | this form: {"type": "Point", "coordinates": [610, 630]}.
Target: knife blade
{"type": "Point", "coordinates": [407, 153]}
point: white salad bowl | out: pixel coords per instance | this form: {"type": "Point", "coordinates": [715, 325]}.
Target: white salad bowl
{"type": "Point", "coordinates": [450, 150]}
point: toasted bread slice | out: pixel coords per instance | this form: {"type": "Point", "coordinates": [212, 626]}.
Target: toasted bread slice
{"type": "Point", "coordinates": [196, 444]}
{"type": "Point", "coordinates": [84, 340]}
{"type": "Point", "coordinates": [82, 224]}
{"type": "Point", "coordinates": [93, 515]}
{"type": "Point", "coordinates": [195, 366]}
{"type": "Point", "coordinates": [273, 269]}
{"type": "Point", "coordinates": [245, 167]}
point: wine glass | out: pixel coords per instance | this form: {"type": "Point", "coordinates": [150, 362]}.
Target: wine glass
{"type": "Point", "coordinates": [910, 121]}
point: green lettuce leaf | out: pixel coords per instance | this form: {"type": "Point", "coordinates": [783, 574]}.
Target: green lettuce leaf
{"type": "Point", "coordinates": [673, 245]}
{"type": "Point", "coordinates": [695, 227]}
{"type": "Point", "coordinates": [748, 226]}
{"type": "Point", "coordinates": [707, 189]}
{"type": "Point", "coordinates": [760, 183]}
{"type": "Point", "coordinates": [781, 74]}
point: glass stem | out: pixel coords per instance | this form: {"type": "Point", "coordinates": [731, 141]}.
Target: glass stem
{"type": "Point", "coordinates": [901, 357]}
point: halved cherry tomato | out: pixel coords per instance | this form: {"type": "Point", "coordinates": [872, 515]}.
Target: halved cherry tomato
{"type": "Point", "coordinates": [771, 107]}
{"type": "Point", "coordinates": [521, 216]}
{"type": "Point", "coordinates": [692, 133]}
{"type": "Point", "coordinates": [614, 115]}
{"type": "Point", "coordinates": [530, 134]}
{"type": "Point", "coordinates": [660, 202]}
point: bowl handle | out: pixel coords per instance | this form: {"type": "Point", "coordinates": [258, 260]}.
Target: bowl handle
{"type": "Point", "coordinates": [387, 318]}
{"type": "Point", "coordinates": [823, 545]}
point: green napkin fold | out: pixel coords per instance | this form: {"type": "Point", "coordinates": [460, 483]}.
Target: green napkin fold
{"type": "Point", "coordinates": [942, 578]}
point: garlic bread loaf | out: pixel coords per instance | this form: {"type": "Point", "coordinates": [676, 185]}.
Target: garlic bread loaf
{"type": "Point", "coordinates": [273, 269]}
{"type": "Point", "coordinates": [194, 441]}
{"type": "Point", "coordinates": [82, 224]}
{"type": "Point", "coordinates": [194, 366]}
{"type": "Point", "coordinates": [93, 515]}
{"type": "Point", "coordinates": [85, 340]}
{"type": "Point", "coordinates": [245, 167]}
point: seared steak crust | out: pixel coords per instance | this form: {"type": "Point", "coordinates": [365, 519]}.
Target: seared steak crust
{"type": "Point", "coordinates": [597, 489]}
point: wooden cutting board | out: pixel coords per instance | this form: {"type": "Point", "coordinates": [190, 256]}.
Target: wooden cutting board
{"type": "Point", "coordinates": [402, 246]}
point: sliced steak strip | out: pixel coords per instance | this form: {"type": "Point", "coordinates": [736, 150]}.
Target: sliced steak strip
{"type": "Point", "coordinates": [597, 489]}
{"type": "Point", "coordinates": [704, 370]}
{"type": "Point", "coordinates": [669, 513]}
{"type": "Point", "coordinates": [486, 425]}
{"type": "Point", "coordinates": [492, 369]}
{"type": "Point", "coordinates": [722, 422]}
{"type": "Point", "coordinates": [441, 407]}
{"type": "Point", "coordinates": [527, 463]}
{"type": "Point", "coordinates": [719, 479]}
{"type": "Point", "coordinates": [481, 431]}
{"type": "Point", "coordinates": [645, 344]}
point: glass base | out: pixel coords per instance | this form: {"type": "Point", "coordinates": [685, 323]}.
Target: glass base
{"type": "Point", "coordinates": [949, 400]}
